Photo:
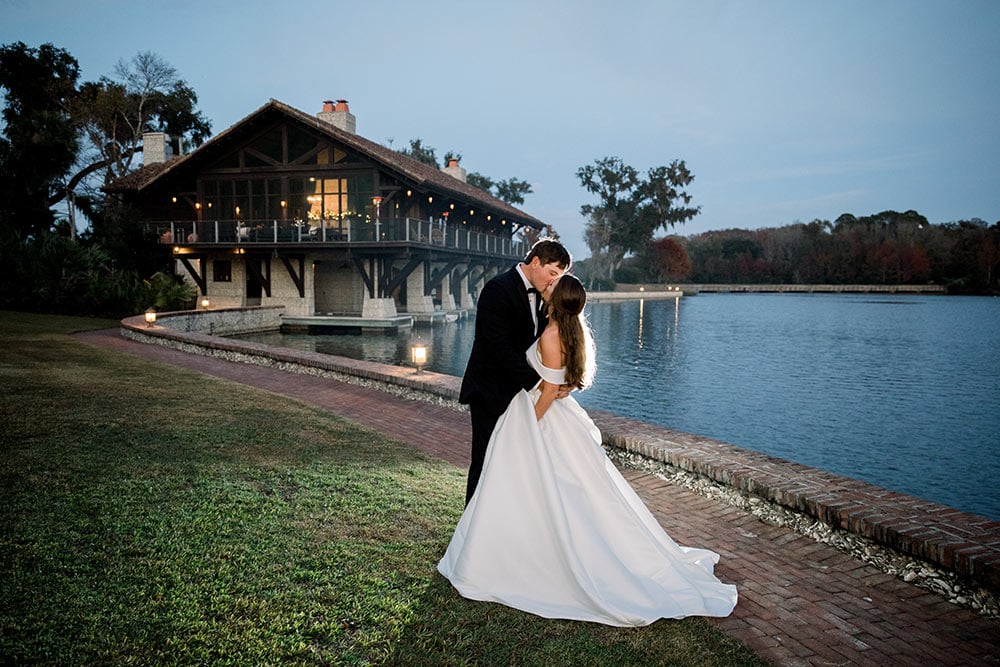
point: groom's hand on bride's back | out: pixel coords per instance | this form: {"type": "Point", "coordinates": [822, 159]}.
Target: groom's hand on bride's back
{"type": "Point", "coordinates": [564, 391]}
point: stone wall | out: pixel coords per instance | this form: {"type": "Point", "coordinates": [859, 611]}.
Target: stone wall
{"type": "Point", "coordinates": [222, 321]}
{"type": "Point", "coordinates": [284, 291]}
{"type": "Point", "coordinates": [339, 290]}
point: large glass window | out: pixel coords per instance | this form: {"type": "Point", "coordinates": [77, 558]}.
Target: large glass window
{"type": "Point", "coordinates": [237, 206]}
{"type": "Point", "coordinates": [242, 199]}
{"type": "Point", "coordinates": [329, 199]}
{"type": "Point", "coordinates": [339, 198]}
{"type": "Point", "coordinates": [284, 157]}
{"type": "Point", "coordinates": [298, 206]}
{"type": "Point", "coordinates": [275, 199]}
{"type": "Point", "coordinates": [209, 200]}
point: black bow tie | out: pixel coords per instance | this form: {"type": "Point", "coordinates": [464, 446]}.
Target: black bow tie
{"type": "Point", "coordinates": [539, 301]}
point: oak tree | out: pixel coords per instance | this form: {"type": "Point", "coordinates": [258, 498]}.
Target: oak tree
{"type": "Point", "coordinates": [631, 207]}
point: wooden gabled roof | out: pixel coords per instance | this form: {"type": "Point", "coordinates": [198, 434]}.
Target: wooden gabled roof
{"type": "Point", "coordinates": [423, 176]}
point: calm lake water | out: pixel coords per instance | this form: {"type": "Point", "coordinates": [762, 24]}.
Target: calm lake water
{"type": "Point", "coordinates": [900, 391]}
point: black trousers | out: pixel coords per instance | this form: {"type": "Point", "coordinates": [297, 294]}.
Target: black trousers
{"type": "Point", "coordinates": [484, 420]}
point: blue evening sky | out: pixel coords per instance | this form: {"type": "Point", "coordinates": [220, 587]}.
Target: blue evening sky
{"type": "Point", "coordinates": [784, 110]}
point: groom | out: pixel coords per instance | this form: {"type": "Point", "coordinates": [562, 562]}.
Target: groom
{"type": "Point", "coordinates": [509, 318]}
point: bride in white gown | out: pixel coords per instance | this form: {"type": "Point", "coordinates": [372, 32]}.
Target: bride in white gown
{"type": "Point", "coordinates": [553, 528]}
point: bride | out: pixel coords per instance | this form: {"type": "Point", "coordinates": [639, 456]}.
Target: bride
{"type": "Point", "coordinates": [553, 528]}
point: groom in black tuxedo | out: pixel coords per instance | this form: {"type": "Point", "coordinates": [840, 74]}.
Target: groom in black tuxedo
{"type": "Point", "coordinates": [509, 317]}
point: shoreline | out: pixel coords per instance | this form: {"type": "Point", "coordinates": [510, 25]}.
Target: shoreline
{"type": "Point", "coordinates": [695, 288]}
{"type": "Point", "coordinates": [958, 552]}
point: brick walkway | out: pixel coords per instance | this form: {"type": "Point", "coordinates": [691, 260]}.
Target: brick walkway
{"type": "Point", "coordinates": [801, 602]}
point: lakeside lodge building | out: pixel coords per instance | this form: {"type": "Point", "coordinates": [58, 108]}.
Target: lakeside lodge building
{"type": "Point", "coordinates": [286, 208]}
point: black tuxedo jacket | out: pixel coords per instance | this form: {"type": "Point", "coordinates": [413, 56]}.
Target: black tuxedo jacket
{"type": "Point", "coordinates": [497, 367]}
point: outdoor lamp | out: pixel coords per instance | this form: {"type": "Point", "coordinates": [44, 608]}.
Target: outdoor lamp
{"type": "Point", "coordinates": [204, 302]}
{"type": "Point", "coordinates": [150, 317]}
{"type": "Point", "coordinates": [418, 353]}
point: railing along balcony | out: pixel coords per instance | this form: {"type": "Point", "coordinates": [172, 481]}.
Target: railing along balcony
{"type": "Point", "coordinates": [336, 232]}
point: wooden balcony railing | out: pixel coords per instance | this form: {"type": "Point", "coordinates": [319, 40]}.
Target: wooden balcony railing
{"type": "Point", "coordinates": [336, 232]}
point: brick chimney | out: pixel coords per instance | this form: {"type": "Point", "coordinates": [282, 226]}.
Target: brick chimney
{"type": "Point", "coordinates": [156, 147]}
{"type": "Point", "coordinates": [339, 115]}
{"type": "Point", "coordinates": [452, 169]}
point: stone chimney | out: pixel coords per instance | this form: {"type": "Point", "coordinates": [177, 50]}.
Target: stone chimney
{"type": "Point", "coordinates": [339, 115]}
{"type": "Point", "coordinates": [156, 147]}
{"type": "Point", "coordinates": [454, 170]}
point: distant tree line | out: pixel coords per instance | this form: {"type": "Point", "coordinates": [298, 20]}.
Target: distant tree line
{"type": "Point", "coordinates": [887, 248]}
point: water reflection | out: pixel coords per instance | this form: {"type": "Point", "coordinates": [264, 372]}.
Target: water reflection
{"type": "Point", "coordinates": [641, 307]}
{"type": "Point", "coordinates": [448, 345]}
{"type": "Point", "coordinates": [381, 349]}
{"type": "Point", "coordinates": [898, 391]}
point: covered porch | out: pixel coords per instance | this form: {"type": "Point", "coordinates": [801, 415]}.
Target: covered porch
{"type": "Point", "coordinates": [298, 210]}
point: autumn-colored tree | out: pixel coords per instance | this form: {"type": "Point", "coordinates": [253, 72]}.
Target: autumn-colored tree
{"type": "Point", "coordinates": [884, 248]}
{"type": "Point", "coordinates": [670, 260]}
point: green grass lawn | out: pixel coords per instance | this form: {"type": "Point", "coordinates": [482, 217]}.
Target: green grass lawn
{"type": "Point", "coordinates": [152, 515]}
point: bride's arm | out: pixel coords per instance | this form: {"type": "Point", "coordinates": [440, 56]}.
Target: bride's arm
{"type": "Point", "coordinates": [549, 392]}
{"type": "Point", "coordinates": [551, 352]}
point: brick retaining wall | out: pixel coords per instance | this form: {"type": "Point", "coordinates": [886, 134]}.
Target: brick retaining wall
{"type": "Point", "coordinates": [956, 541]}
{"type": "Point", "coordinates": [695, 288]}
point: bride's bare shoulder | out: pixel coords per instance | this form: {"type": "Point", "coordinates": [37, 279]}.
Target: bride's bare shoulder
{"type": "Point", "coordinates": [550, 335]}
{"type": "Point", "coordinates": [550, 346]}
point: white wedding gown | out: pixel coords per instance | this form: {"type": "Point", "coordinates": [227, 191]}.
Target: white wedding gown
{"type": "Point", "coordinates": [555, 530]}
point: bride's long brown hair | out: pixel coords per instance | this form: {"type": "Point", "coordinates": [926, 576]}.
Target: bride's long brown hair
{"type": "Point", "coordinates": [566, 309]}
